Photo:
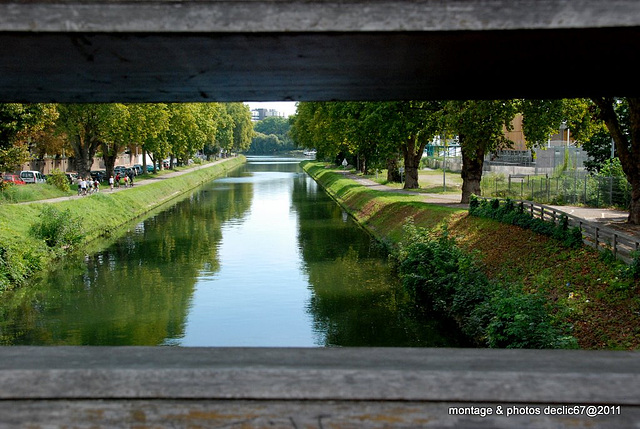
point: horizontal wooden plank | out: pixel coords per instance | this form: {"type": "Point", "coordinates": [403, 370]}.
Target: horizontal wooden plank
{"type": "Point", "coordinates": [300, 414]}
{"type": "Point", "coordinates": [529, 376]}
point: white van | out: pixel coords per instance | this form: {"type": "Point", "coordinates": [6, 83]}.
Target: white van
{"type": "Point", "coordinates": [32, 177]}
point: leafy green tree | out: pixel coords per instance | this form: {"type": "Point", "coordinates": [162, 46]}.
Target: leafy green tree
{"type": "Point", "coordinates": [373, 132]}
{"type": "Point", "coordinates": [599, 149]}
{"type": "Point", "coordinates": [622, 118]}
{"type": "Point", "coordinates": [242, 126]}
{"type": "Point", "coordinates": [271, 136]}
{"type": "Point", "coordinates": [85, 126]}
{"type": "Point", "coordinates": [120, 129]}
{"type": "Point", "coordinates": [480, 128]}
{"type": "Point", "coordinates": [155, 121]}
{"type": "Point", "coordinates": [209, 119]}
{"type": "Point", "coordinates": [19, 125]}
{"type": "Point", "coordinates": [409, 126]}
{"type": "Point", "coordinates": [265, 144]}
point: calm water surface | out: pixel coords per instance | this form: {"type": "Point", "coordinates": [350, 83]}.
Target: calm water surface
{"type": "Point", "coordinates": [260, 258]}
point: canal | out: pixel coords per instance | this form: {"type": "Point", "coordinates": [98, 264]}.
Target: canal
{"type": "Point", "coordinates": [262, 257]}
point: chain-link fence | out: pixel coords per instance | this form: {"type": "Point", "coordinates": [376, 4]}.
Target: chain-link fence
{"type": "Point", "coordinates": [569, 188]}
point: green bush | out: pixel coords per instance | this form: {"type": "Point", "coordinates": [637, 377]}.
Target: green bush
{"type": "Point", "coordinates": [441, 277]}
{"type": "Point", "coordinates": [58, 179]}
{"type": "Point", "coordinates": [18, 263]}
{"type": "Point", "coordinates": [507, 212]}
{"type": "Point", "coordinates": [522, 321]}
{"type": "Point", "coordinates": [58, 229]}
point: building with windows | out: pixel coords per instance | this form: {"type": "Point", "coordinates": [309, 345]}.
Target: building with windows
{"type": "Point", "coordinates": [260, 114]}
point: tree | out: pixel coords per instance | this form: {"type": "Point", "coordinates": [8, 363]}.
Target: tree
{"type": "Point", "coordinates": [480, 128]}
{"type": "Point", "coordinates": [155, 121]}
{"type": "Point", "coordinates": [19, 125]}
{"type": "Point", "coordinates": [599, 148]}
{"type": "Point", "coordinates": [120, 129]}
{"type": "Point", "coordinates": [622, 118]}
{"type": "Point", "coordinates": [209, 119]}
{"type": "Point", "coordinates": [271, 135]}
{"type": "Point", "coordinates": [85, 126]}
{"type": "Point", "coordinates": [373, 133]}
{"type": "Point", "coordinates": [409, 126]}
{"type": "Point", "coordinates": [242, 126]}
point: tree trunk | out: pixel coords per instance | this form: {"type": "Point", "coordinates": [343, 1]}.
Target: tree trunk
{"type": "Point", "coordinates": [144, 160]}
{"type": "Point", "coordinates": [412, 156]}
{"type": "Point", "coordinates": [472, 162]}
{"type": "Point", "coordinates": [634, 206]}
{"type": "Point", "coordinates": [109, 160]}
{"type": "Point", "coordinates": [153, 161]}
{"type": "Point", "coordinates": [83, 159]}
{"type": "Point", "coordinates": [393, 173]}
{"type": "Point", "coordinates": [627, 148]}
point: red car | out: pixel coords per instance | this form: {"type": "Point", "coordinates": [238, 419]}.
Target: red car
{"type": "Point", "coordinates": [13, 178]}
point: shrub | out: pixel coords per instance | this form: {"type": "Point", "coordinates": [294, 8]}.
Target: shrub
{"type": "Point", "coordinates": [509, 213]}
{"type": "Point", "coordinates": [58, 179]}
{"type": "Point", "coordinates": [57, 228]}
{"type": "Point", "coordinates": [522, 321]}
{"type": "Point", "coordinates": [438, 275]}
{"type": "Point", "coordinates": [17, 263]}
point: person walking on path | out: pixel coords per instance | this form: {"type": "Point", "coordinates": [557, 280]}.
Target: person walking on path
{"type": "Point", "coordinates": [111, 182]}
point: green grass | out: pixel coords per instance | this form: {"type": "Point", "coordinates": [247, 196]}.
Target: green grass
{"type": "Point", "coordinates": [594, 295]}
{"type": "Point", "coordinates": [100, 214]}
{"type": "Point", "coordinates": [31, 192]}
{"type": "Point", "coordinates": [430, 181]}
{"type": "Point", "coordinates": [384, 214]}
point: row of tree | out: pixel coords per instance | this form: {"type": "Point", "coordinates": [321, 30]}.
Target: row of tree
{"type": "Point", "coordinates": [271, 136]}
{"type": "Point", "coordinates": [378, 134]}
{"type": "Point", "coordinates": [160, 130]}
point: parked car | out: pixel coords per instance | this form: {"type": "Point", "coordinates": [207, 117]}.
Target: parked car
{"type": "Point", "coordinates": [32, 176]}
{"type": "Point", "coordinates": [99, 175]}
{"type": "Point", "coordinates": [137, 168]}
{"type": "Point", "coordinates": [13, 178]}
{"type": "Point", "coordinates": [72, 177]}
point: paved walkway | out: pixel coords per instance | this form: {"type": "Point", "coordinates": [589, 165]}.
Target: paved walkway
{"type": "Point", "coordinates": [105, 188]}
{"type": "Point", "coordinates": [616, 219]}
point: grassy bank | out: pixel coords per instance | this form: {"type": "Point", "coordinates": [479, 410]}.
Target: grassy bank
{"type": "Point", "coordinates": [585, 291]}
{"type": "Point", "coordinates": [22, 254]}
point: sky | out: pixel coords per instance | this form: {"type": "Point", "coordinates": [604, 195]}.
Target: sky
{"type": "Point", "coordinates": [286, 107]}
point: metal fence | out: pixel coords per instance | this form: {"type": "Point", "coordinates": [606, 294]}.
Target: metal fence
{"type": "Point", "coordinates": [572, 188]}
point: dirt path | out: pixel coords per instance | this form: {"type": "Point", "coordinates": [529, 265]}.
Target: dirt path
{"type": "Point", "coordinates": [616, 219]}
{"type": "Point", "coordinates": [105, 188]}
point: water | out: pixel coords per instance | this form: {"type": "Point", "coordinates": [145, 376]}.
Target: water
{"type": "Point", "coordinates": [260, 258]}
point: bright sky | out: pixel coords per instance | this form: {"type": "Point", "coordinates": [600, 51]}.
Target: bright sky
{"type": "Point", "coordinates": [286, 107]}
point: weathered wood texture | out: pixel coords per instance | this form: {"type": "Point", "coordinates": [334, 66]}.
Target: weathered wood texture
{"type": "Point", "coordinates": [89, 51]}
{"type": "Point", "coordinates": [354, 387]}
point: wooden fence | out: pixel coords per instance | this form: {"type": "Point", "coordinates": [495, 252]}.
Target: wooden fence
{"type": "Point", "coordinates": [597, 236]}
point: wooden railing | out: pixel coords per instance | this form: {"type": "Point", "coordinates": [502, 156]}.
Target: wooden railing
{"type": "Point", "coordinates": [173, 387]}
{"type": "Point", "coordinates": [597, 236]}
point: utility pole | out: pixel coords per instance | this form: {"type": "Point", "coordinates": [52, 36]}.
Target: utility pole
{"type": "Point", "coordinates": [444, 168]}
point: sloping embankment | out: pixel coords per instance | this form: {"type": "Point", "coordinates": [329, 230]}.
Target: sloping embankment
{"type": "Point", "coordinates": [592, 294]}
{"type": "Point", "coordinates": [383, 214]}
{"type": "Point", "coordinates": [21, 254]}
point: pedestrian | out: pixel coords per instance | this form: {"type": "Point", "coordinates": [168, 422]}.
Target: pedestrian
{"type": "Point", "coordinates": [111, 182]}
{"type": "Point", "coordinates": [131, 175]}
{"type": "Point", "coordinates": [96, 185]}
{"type": "Point", "coordinates": [83, 186]}
{"type": "Point", "coordinates": [118, 180]}
{"type": "Point", "coordinates": [126, 181]}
